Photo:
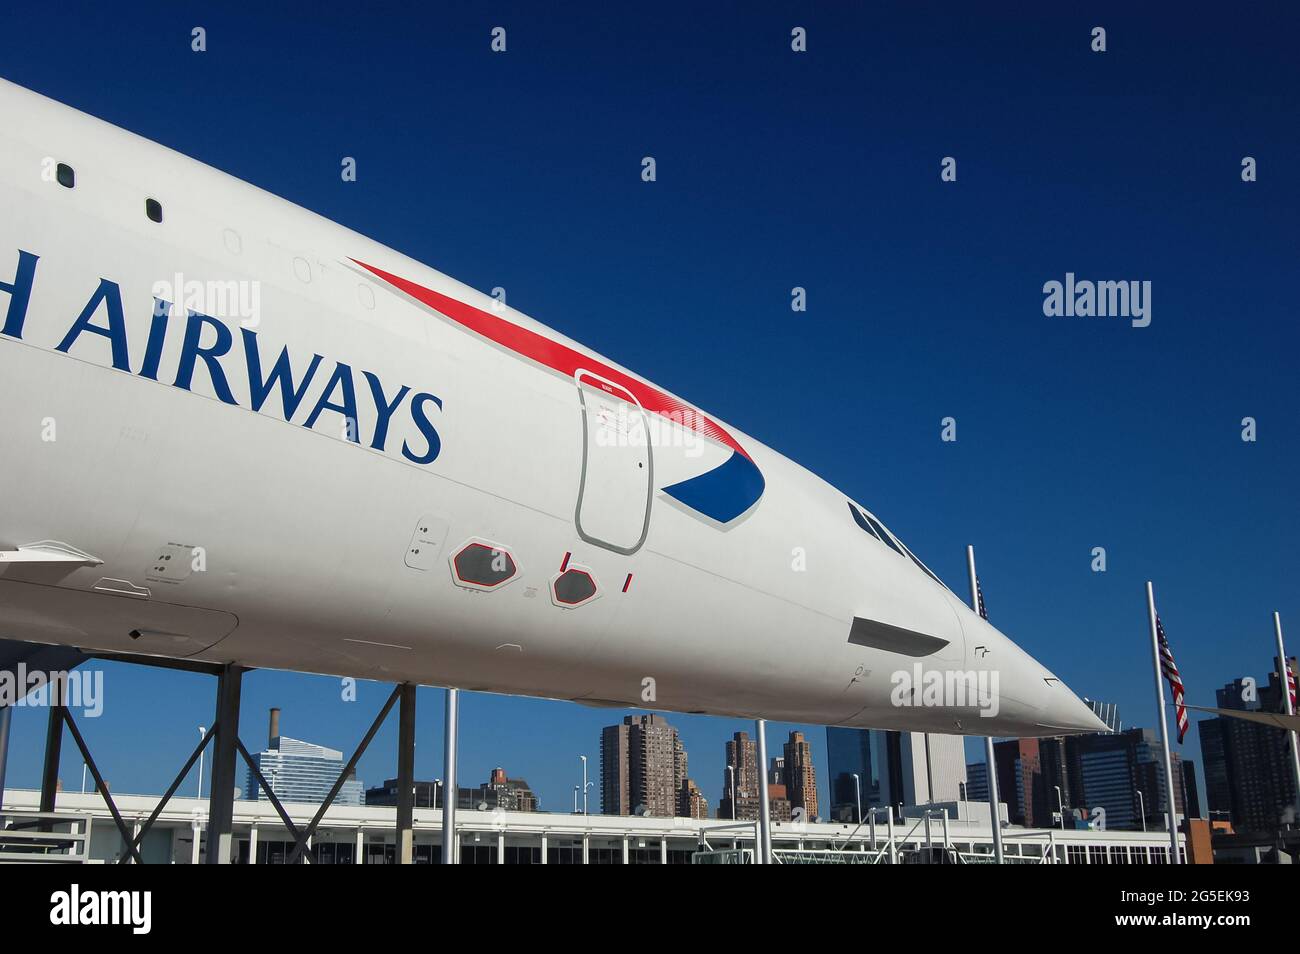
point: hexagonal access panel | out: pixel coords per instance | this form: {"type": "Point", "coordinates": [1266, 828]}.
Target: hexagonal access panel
{"type": "Point", "coordinates": [483, 566]}
{"type": "Point", "coordinates": [574, 587]}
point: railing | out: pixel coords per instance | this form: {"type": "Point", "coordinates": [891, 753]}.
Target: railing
{"type": "Point", "coordinates": [822, 856]}
{"type": "Point", "coordinates": [44, 837]}
{"type": "Point", "coordinates": [724, 856]}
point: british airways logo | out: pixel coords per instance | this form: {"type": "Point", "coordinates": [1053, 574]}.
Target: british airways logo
{"type": "Point", "coordinates": [722, 494]}
{"type": "Point", "coordinates": [209, 349]}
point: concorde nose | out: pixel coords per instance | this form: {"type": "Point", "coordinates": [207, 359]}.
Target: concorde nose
{"type": "Point", "coordinates": [1034, 701]}
{"type": "Point", "coordinates": [1051, 705]}
{"type": "Point", "coordinates": [1062, 710]}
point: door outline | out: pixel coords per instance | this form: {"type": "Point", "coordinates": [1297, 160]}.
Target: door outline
{"type": "Point", "coordinates": [628, 397]}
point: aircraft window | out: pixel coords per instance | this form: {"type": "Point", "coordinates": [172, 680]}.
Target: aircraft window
{"type": "Point", "coordinates": [153, 209]}
{"type": "Point", "coordinates": [924, 569]}
{"type": "Point", "coordinates": [67, 178]}
{"type": "Point", "coordinates": [874, 527]}
{"type": "Point", "coordinates": [860, 520]}
{"type": "Point", "coordinates": [882, 532]}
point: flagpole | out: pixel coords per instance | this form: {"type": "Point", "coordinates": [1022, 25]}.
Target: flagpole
{"type": "Point", "coordinates": [1164, 729]}
{"type": "Point", "coordinates": [990, 761]}
{"type": "Point", "coordinates": [1284, 671]}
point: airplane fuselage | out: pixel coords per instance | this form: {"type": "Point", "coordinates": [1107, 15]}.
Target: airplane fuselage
{"type": "Point", "coordinates": [247, 434]}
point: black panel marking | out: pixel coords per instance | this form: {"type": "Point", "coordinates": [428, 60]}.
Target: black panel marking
{"type": "Point", "coordinates": [893, 639]}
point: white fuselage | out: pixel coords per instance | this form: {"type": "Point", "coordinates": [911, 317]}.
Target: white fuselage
{"type": "Point", "coordinates": [157, 497]}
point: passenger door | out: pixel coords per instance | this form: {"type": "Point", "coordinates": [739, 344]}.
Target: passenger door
{"type": "Point", "coordinates": [617, 467]}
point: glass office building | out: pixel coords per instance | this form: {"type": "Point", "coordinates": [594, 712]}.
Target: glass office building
{"type": "Point", "coordinates": [302, 772]}
{"type": "Point", "coordinates": [865, 753]}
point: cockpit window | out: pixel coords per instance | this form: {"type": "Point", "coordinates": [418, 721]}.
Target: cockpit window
{"type": "Point", "coordinates": [882, 533]}
{"type": "Point", "coordinates": [877, 529]}
{"type": "Point", "coordinates": [924, 569]}
{"type": "Point", "coordinates": [861, 521]}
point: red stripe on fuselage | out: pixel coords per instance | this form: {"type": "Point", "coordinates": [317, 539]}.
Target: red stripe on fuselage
{"type": "Point", "coordinates": [558, 357]}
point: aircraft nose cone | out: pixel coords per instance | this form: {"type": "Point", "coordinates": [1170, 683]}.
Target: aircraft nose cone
{"type": "Point", "coordinates": [1063, 710]}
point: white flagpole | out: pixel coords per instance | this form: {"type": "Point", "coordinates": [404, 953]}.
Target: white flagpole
{"type": "Point", "coordinates": [990, 762]}
{"type": "Point", "coordinates": [1284, 672]}
{"type": "Point", "coordinates": [1164, 728]}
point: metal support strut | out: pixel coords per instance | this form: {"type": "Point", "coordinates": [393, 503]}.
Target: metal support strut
{"type": "Point", "coordinates": [406, 775]}
{"type": "Point", "coordinates": [449, 789]}
{"type": "Point", "coordinates": [764, 807]}
{"type": "Point", "coordinates": [221, 795]}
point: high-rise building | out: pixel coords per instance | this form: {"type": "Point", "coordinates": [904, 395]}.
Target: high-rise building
{"type": "Point", "coordinates": [977, 782]}
{"type": "Point", "coordinates": [691, 802]}
{"type": "Point", "coordinates": [1037, 779]}
{"type": "Point", "coordinates": [1021, 784]}
{"type": "Point", "coordinates": [300, 771]}
{"type": "Point", "coordinates": [892, 768]}
{"type": "Point", "coordinates": [778, 805]}
{"type": "Point", "coordinates": [642, 767]}
{"type": "Point", "coordinates": [1218, 789]}
{"type": "Point", "coordinates": [858, 769]}
{"type": "Point", "coordinates": [1111, 770]}
{"type": "Point", "coordinates": [776, 772]}
{"type": "Point", "coordinates": [1248, 773]}
{"type": "Point", "coordinates": [741, 775]}
{"type": "Point", "coordinates": [934, 767]}
{"type": "Point", "coordinates": [1054, 766]}
{"type": "Point", "coordinates": [1191, 797]}
{"type": "Point", "coordinates": [615, 770]}
{"type": "Point", "coordinates": [799, 776]}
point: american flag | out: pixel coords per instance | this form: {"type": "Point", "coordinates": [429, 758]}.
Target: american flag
{"type": "Point", "coordinates": [1170, 669]}
{"type": "Point", "coordinates": [984, 614]}
{"type": "Point", "coordinates": [1290, 682]}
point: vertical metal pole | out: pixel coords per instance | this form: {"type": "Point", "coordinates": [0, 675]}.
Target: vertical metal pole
{"type": "Point", "coordinates": [53, 748]}
{"type": "Point", "coordinates": [893, 846]}
{"type": "Point", "coordinates": [1283, 670]}
{"type": "Point", "coordinates": [929, 773]}
{"type": "Point", "coordinates": [995, 800]}
{"type": "Point", "coordinates": [406, 774]}
{"type": "Point", "coordinates": [764, 808]}
{"type": "Point", "coordinates": [221, 793]}
{"type": "Point", "coordinates": [450, 787]}
{"type": "Point", "coordinates": [199, 795]}
{"type": "Point", "coordinates": [5, 715]}
{"type": "Point", "coordinates": [1164, 729]}
{"type": "Point", "coordinates": [990, 759]}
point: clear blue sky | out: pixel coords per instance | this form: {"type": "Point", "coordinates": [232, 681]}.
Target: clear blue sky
{"type": "Point", "coordinates": [819, 170]}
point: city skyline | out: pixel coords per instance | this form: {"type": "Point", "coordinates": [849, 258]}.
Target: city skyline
{"type": "Point", "coordinates": [704, 735]}
{"type": "Point", "coordinates": [1071, 435]}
